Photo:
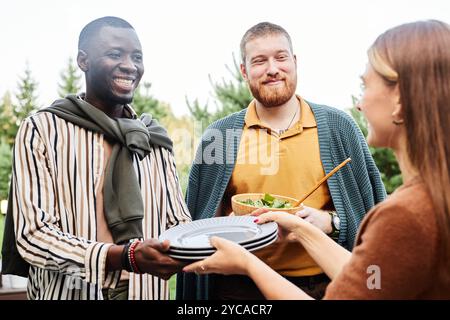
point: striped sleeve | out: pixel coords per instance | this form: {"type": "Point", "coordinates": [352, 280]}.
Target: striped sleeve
{"type": "Point", "coordinates": [40, 240]}
{"type": "Point", "coordinates": [177, 210]}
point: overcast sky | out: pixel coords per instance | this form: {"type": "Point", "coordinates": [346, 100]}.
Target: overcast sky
{"type": "Point", "coordinates": [185, 41]}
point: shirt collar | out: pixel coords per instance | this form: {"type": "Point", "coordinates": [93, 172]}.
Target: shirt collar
{"type": "Point", "coordinates": [307, 119]}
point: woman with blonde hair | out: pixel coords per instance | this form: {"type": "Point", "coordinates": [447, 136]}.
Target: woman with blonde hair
{"type": "Point", "coordinates": [403, 246]}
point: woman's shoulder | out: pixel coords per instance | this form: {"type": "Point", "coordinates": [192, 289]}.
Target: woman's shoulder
{"type": "Point", "coordinates": [398, 240]}
{"type": "Point", "coordinates": [408, 198]}
{"type": "Point", "coordinates": [408, 209]}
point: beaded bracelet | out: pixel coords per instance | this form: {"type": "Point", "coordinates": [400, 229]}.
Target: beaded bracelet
{"type": "Point", "coordinates": [124, 258]}
{"type": "Point", "coordinates": [132, 258]}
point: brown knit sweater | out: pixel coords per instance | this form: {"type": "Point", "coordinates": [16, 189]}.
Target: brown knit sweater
{"type": "Point", "coordinates": [396, 252]}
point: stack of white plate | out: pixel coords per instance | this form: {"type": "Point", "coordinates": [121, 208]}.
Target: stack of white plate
{"type": "Point", "coordinates": [190, 241]}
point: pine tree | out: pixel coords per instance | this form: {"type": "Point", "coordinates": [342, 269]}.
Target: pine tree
{"type": "Point", "coordinates": [26, 96]}
{"type": "Point", "coordinates": [199, 112]}
{"type": "Point", "coordinates": [70, 80]}
{"type": "Point", "coordinates": [230, 96]}
{"type": "Point", "coordinates": [5, 168]}
{"type": "Point", "coordinates": [8, 120]}
{"type": "Point", "coordinates": [8, 127]}
{"type": "Point", "coordinates": [11, 114]}
{"type": "Point", "coordinates": [144, 102]}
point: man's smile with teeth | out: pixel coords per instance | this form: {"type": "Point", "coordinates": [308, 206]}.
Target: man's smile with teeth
{"type": "Point", "coordinates": [128, 82]}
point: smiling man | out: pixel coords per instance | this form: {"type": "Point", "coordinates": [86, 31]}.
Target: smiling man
{"type": "Point", "coordinates": [93, 185]}
{"type": "Point", "coordinates": [304, 141]}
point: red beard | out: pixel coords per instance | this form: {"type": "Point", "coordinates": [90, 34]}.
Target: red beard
{"type": "Point", "coordinates": [273, 96]}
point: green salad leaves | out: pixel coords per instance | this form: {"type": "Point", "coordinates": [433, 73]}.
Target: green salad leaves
{"type": "Point", "coordinates": [268, 202]}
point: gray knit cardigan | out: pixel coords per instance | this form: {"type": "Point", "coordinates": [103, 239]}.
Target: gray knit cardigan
{"type": "Point", "coordinates": [355, 189]}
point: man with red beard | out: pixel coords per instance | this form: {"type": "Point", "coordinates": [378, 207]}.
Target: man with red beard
{"type": "Point", "coordinates": [281, 144]}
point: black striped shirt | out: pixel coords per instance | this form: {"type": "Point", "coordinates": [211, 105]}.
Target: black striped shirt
{"type": "Point", "coordinates": [56, 176]}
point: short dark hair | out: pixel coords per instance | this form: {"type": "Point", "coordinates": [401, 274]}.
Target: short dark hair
{"type": "Point", "coordinates": [260, 30]}
{"type": "Point", "coordinates": [94, 26]}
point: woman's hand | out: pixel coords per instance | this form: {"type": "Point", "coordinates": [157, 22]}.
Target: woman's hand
{"type": "Point", "coordinates": [230, 258]}
{"type": "Point", "coordinates": [259, 212]}
{"type": "Point", "coordinates": [329, 255]}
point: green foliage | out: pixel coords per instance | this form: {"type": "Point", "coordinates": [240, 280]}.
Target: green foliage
{"type": "Point", "coordinates": [26, 96]}
{"type": "Point", "coordinates": [172, 287]}
{"type": "Point", "coordinates": [268, 201]}
{"type": "Point", "coordinates": [230, 96]}
{"type": "Point", "coordinates": [144, 102]}
{"type": "Point", "coordinates": [199, 112]}
{"type": "Point", "coordinates": [11, 114]}
{"type": "Point", "coordinates": [8, 120]}
{"type": "Point", "coordinates": [70, 80]}
{"type": "Point", "coordinates": [384, 158]}
{"type": "Point", "coordinates": [2, 227]}
{"type": "Point", "coordinates": [183, 175]}
{"type": "Point", "coordinates": [5, 169]}
{"type": "Point", "coordinates": [5, 174]}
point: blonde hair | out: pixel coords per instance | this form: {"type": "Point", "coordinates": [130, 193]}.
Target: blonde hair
{"type": "Point", "coordinates": [381, 66]}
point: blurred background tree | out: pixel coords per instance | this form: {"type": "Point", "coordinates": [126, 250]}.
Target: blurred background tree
{"type": "Point", "coordinates": [144, 102]}
{"type": "Point", "coordinates": [229, 96]}
{"type": "Point", "coordinates": [8, 120]}
{"type": "Point", "coordinates": [5, 169]}
{"type": "Point", "coordinates": [70, 82]}
{"type": "Point", "coordinates": [233, 95]}
{"type": "Point", "coordinates": [26, 96]}
{"type": "Point", "coordinates": [179, 128]}
{"type": "Point", "coordinates": [11, 114]}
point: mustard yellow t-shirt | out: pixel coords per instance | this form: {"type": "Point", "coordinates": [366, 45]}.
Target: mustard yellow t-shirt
{"type": "Point", "coordinates": [288, 164]}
